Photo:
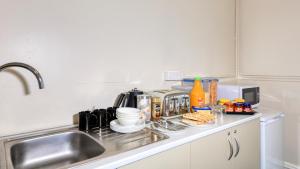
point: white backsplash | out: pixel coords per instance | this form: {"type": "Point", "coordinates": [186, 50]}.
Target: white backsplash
{"type": "Point", "coordinates": [89, 51]}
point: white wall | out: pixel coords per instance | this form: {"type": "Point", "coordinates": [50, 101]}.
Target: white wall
{"type": "Point", "coordinates": [89, 51]}
{"type": "Point", "coordinates": [269, 37]}
{"type": "Point", "coordinates": [269, 55]}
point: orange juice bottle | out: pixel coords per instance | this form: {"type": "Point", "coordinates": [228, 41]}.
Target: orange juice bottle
{"type": "Point", "coordinates": [197, 95]}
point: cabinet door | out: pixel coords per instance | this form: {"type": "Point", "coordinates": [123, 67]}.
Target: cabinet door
{"type": "Point", "coordinates": [248, 142]}
{"type": "Point", "coordinates": [176, 158]}
{"type": "Point", "coordinates": [211, 152]}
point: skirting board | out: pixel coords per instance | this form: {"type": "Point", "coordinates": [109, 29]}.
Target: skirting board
{"type": "Point", "coordinates": [290, 166]}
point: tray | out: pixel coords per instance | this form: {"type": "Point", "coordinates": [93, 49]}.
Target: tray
{"type": "Point", "coordinates": [241, 113]}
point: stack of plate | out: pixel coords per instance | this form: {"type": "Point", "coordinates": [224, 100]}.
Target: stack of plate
{"type": "Point", "coordinates": [128, 120]}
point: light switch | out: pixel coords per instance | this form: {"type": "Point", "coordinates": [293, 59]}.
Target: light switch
{"type": "Point", "coordinates": [173, 76]}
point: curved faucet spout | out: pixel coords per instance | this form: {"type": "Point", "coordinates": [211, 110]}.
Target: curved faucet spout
{"type": "Point", "coordinates": [28, 67]}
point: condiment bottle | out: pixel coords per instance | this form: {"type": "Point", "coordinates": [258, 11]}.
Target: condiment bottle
{"type": "Point", "coordinates": [155, 108]}
{"type": "Point", "coordinates": [223, 101]}
{"type": "Point", "coordinates": [238, 107]}
{"type": "Point", "coordinates": [247, 107]}
{"type": "Point", "coordinates": [197, 95]}
{"type": "Point", "coordinates": [229, 107]}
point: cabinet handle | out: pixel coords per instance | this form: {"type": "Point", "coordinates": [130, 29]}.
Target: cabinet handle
{"type": "Point", "coordinates": [237, 147]}
{"type": "Point", "coordinates": [231, 150]}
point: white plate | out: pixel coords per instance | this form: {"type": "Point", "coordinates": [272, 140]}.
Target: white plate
{"type": "Point", "coordinates": [116, 126]}
{"type": "Point", "coordinates": [127, 121]}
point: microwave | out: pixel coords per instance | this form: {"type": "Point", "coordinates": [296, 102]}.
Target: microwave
{"type": "Point", "coordinates": [250, 93]}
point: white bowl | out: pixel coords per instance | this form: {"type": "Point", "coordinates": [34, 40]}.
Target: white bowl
{"type": "Point", "coordinates": [130, 118]}
{"type": "Point", "coordinates": [126, 115]}
{"type": "Point", "coordinates": [128, 121]}
{"type": "Point", "coordinates": [128, 111]}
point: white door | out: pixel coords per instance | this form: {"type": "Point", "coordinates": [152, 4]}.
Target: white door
{"type": "Point", "coordinates": [271, 142]}
{"type": "Point", "coordinates": [176, 158]}
{"type": "Point", "coordinates": [247, 149]}
{"type": "Point", "coordinates": [212, 152]}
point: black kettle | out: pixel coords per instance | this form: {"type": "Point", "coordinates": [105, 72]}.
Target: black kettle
{"type": "Point", "coordinates": [128, 99]}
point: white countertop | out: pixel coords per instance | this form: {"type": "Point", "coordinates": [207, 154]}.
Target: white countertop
{"type": "Point", "coordinates": [268, 113]}
{"type": "Point", "coordinates": [187, 135]}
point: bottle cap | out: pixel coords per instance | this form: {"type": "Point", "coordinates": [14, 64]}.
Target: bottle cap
{"type": "Point", "coordinates": [197, 77]}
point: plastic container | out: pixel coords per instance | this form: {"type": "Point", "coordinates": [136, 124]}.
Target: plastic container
{"type": "Point", "coordinates": [195, 109]}
{"type": "Point", "coordinates": [210, 87]}
{"type": "Point", "coordinates": [197, 94]}
{"type": "Point", "coordinates": [144, 104]}
{"type": "Point", "coordinates": [213, 91]}
{"type": "Point", "coordinates": [206, 88]}
{"type": "Point", "coordinates": [190, 81]}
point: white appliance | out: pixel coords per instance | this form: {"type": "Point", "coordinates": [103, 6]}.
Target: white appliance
{"type": "Point", "coordinates": [271, 139]}
{"type": "Point", "coordinates": [232, 91]}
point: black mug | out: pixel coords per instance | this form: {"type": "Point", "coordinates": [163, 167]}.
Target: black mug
{"type": "Point", "coordinates": [84, 117]}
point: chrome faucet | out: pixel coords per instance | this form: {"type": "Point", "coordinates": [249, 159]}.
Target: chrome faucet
{"type": "Point", "coordinates": [28, 67]}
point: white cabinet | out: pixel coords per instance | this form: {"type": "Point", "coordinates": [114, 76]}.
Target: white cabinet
{"type": "Point", "coordinates": [235, 148]}
{"type": "Point", "coordinates": [247, 140]}
{"type": "Point", "coordinates": [176, 158]}
{"type": "Point", "coordinates": [211, 152]}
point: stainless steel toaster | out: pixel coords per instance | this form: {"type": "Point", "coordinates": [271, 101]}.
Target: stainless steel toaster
{"type": "Point", "coordinates": [173, 102]}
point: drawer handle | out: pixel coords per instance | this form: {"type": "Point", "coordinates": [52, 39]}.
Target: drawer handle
{"type": "Point", "coordinates": [231, 150]}
{"type": "Point", "coordinates": [237, 147]}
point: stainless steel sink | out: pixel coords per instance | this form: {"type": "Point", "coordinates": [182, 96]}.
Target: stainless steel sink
{"type": "Point", "coordinates": [52, 151]}
{"type": "Point", "coordinates": [68, 147]}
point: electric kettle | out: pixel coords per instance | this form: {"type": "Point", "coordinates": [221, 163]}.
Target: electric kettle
{"type": "Point", "coordinates": [128, 99]}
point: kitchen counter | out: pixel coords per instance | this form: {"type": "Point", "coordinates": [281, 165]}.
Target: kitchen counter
{"type": "Point", "coordinates": [176, 139]}
{"type": "Point", "coordinates": [269, 113]}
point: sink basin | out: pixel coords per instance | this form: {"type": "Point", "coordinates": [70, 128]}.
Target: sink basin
{"type": "Point", "coordinates": [52, 151]}
{"type": "Point", "coordinates": [68, 147]}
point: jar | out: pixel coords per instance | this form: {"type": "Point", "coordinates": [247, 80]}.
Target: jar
{"type": "Point", "coordinates": [247, 107]}
{"type": "Point", "coordinates": [206, 85]}
{"type": "Point", "coordinates": [155, 108]}
{"type": "Point", "coordinates": [144, 104]}
{"type": "Point", "coordinates": [213, 88]}
{"type": "Point", "coordinates": [229, 107]}
{"type": "Point", "coordinates": [223, 101]}
{"type": "Point", "coordinates": [238, 107]}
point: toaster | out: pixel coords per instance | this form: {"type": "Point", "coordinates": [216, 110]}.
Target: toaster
{"type": "Point", "coordinates": [173, 102]}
